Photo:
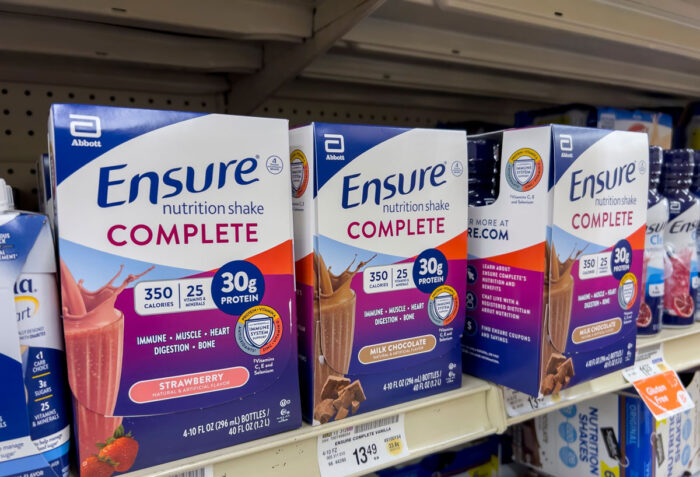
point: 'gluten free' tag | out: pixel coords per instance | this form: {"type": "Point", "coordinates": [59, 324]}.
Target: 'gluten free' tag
{"type": "Point", "coordinates": [659, 386]}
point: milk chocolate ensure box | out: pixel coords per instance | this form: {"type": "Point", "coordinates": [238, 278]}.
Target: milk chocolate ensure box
{"type": "Point", "coordinates": [177, 284]}
{"type": "Point", "coordinates": [555, 265]}
{"type": "Point", "coordinates": [380, 243]}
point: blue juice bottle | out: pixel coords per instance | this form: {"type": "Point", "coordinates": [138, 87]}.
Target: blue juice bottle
{"type": "Point", "coordinates": [681, 281]}
{"type": "Point", "coordinates": [652, 307]}
{"type": "Point", "coordinates": [483, 164]}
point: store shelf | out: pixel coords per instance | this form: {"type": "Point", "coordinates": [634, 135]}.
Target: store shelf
{"type": "Point", "coordinates": [627, 53]}
{"type": "Point", "coordinates": [266, 19]}
{"type": "Point", "coordinates": [432, 424]}
{"type": "Point", "coordinates": [655, 48]}
{"type": "Point", "coordinates": [681, 349]}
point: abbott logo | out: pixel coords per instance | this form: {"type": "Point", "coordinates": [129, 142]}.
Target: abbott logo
{"type": "Point", "coordinates": [335, 147]}
{"type": "Point", "coordinates": [82, 125]}
{"type": "Point", "coordinates": [566, 142]}
{"type": "Point", "coordinates": [85, 126]}
{"type": "Point", "coordinates": [334, 143]}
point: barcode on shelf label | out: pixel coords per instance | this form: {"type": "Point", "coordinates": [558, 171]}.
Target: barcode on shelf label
{"type": "Point", "coordinates": [646, 369]}
{"type": "Point", "coordinates": [367, 426]}
{"type": "Point", "coordinates": [206, 471]}
{"type": "Point", "coordinates": [355, 449]}
{"type": "Point", "coordinates": [649, 361]}
{"type": "Point", "coordinates": [649, 352]}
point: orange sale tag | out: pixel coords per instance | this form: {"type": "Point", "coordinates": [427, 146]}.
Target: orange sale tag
{"type": "Point", "coordinates": [659, 387]}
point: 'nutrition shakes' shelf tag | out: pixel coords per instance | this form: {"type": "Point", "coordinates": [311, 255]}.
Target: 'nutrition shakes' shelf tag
{"type": "Point", "coordinates": [659, 386]}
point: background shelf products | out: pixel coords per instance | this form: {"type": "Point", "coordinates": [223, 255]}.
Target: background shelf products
{"type": "Point", "coordinates": [381, 264]}
{"type": "Point", "coordinates": [555, 281]}
{"type": "Point", "coordinates": [34, 403]}
{"type": "Point", "coordinates": [175, 244]}
{"type": "Point", "coordinates": [612, 433]}
{"type": "Point", "coordinates": [688, 130]}
{"type": "Point", "coordinates": [651, 310]}
{"type": "Point", "coordinates": [658, 126]}
{"type": "Point", "coordinates": [44, 188]}
{"type": "Point", "coordinates": [681, 281]}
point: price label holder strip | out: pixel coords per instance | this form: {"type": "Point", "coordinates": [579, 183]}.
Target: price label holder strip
{"type": "Point", "coordinates": [520, 406]}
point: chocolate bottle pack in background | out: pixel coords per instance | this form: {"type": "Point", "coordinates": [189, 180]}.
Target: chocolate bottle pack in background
{"type": "Point", "coordinates": [651, 309]}
{"type": "Point", "coordinates": [681, 280]}
{"type": "Point", "coordinates": [483, 161]}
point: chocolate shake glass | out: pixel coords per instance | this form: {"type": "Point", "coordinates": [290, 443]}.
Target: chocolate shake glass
{"type": "Point", "coordinates": [337, 303]}
{"type": "Point", "coordinates": [558, 295]}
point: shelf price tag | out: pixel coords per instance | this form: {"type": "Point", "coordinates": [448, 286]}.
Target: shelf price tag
{"type": "Point", "coordinates": [658, 385]}
{"type": "Point", "coordinates": [353, 449]}
{"type": "Point", "coordinates": [518, 403]}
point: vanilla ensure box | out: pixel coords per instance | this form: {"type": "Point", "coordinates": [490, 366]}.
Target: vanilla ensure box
{"type": "Point", "coordinates": [177, 281]}
{"type": "Point", "coordinates": [380, 242]}
{"type": "Point", "coordinates": [555, 265]}
{"type": "Point", "coordinates": [611, 435]}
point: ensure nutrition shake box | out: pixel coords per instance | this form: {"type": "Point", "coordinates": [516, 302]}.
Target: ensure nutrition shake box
{"type": "Point", "coordinates": [175, 244]}
{"type": "Point", "coordinates": [380, 242]}
{"type": "Point", "coordinates": [555, 266]}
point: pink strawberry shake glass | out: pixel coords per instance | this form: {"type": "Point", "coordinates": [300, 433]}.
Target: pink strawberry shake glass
{"type": "Point", "coordinates": [94, 334]}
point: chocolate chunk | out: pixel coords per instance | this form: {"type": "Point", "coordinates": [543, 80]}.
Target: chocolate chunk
{"type": "Point", "coordinates": [359, 392]}
{"type": "Point", "coordinates": [355, 406]}
{"type": "Point", "coordinates": [333, 386]}
{"type": "Point", "coordinates": [566, 368]}
{"type": "Point", "coordinates": [548, 384]}
{"type": "Point", "coordinates": [342, 413]}
{"type": "Point", "coordinates": [352, 392]}
{"type": "Point", "coordinates": [557, 386]}
{"type": "Point", "coordinates": [555, 360]}
{"type": "Point", "coordinates": [324, 411]}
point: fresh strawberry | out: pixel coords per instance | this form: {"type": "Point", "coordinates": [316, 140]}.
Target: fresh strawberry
{"type": "Point", "coordinates": [121, 449]}
{"type": "Point", "coordinates": [94, 466]}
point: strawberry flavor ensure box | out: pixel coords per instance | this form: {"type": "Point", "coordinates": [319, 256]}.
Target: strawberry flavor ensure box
{"type": "Point", "coordinates": [555, 265]}
{"type": "Point", "coordinates": [177, 285]}
{"type": "Point", "coordinates": [381, 248]}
